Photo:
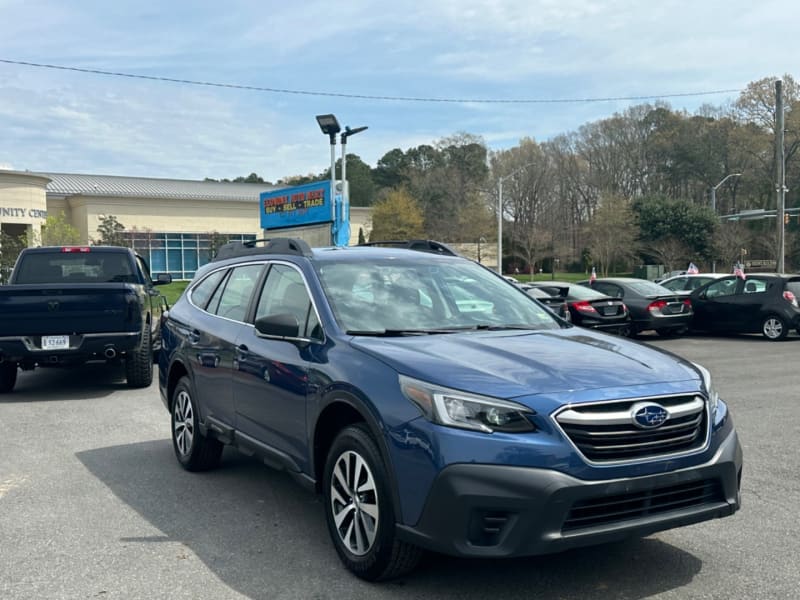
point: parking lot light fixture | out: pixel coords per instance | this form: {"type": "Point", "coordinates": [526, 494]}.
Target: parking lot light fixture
{"type": "Point", "coordinates": [330, 127]}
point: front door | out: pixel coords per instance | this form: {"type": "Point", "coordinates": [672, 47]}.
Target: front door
{"type": "Point", "coordinates": [270, 379]}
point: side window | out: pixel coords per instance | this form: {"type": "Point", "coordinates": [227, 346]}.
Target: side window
{"type": "Point", "coordinates": [676, 284]}
{"type": "Point", "coordinates": [608, 289]}
{"type": "Point", "coordinates": [201, 293]}
{"type": "Point", "coordinates": [238, 289]}
{"type": "Point", "coordinates": [723, 287]}
{"type": "Point", "coordinates": [285, 292]}
{"type": "Point", "coordinates": [754, 286]}
{"type": "Point", "coordinates": [144, 269]}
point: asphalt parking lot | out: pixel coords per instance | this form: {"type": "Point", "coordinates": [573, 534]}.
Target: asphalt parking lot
{"type": "Point", "coordinates": [94, 505]}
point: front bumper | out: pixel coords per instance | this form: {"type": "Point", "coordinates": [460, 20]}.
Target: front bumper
{"type": "Point", "coordinates": [502, 511]}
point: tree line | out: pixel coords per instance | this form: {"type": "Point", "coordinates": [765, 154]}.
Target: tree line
{"type": "Point", "coordinates": [629, 189]}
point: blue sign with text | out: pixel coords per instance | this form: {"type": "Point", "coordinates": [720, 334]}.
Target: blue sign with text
{"type": "Point", "coordinates": [298, 205]}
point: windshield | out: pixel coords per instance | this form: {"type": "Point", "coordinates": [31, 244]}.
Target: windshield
{"type": "Point", "coordinates": [418, 295]}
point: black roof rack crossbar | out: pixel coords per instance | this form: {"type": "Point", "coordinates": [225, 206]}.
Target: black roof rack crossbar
{"type": "Point", "coordinates": [281, 245]}
{"type": "Point", "coordinates": [431, 246]}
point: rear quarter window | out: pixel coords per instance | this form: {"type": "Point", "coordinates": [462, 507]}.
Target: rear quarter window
{"type": "Point", "coordinates": [201, 293]}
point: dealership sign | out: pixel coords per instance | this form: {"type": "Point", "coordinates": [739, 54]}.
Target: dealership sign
{"type": "Point", "coordinates": [295, 206]}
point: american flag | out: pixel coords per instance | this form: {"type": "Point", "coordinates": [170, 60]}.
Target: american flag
{"type": "Point", "coordinates": [692, 270]}
{"type": "Point", "coordinates": [593, 276]}
{"type": "Point", "coordinates": [738, 270]}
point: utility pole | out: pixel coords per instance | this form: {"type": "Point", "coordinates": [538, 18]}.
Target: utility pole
{"type": "Point", "coordinates": [780, 183]}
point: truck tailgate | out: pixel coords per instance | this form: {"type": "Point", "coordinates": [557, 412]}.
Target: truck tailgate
{"type": "Point", "coordinates": [47, 309]}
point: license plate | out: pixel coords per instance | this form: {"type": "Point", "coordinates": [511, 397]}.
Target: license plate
{"type": "Point", "coordinates": [55, 342]}
{"type": "Point", "coordinates": [612, 310]}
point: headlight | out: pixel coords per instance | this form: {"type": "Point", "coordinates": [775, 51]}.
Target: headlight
{"type": "Point", "coordinates": [713, 396]}
{"type": "Point", "coordinates": [466, 411]}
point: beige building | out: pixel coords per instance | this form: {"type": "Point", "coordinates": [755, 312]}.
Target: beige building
{"type": "Point", "coordinates": [173, 223]}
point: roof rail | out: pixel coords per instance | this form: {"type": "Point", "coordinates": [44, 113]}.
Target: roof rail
{"type": "Point", "coordinates": [293, 246]}
{"type": "Point", "coordinates": [431, 246]}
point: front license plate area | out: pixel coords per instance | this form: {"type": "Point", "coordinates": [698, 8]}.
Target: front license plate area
{"type": "Point", "coordinates": [55, 342]}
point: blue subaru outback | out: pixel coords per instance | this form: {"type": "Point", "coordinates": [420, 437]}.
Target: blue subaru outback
{"type": "Point", "coordinates": [436, 406]}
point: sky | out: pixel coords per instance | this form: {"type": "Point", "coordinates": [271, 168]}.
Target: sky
{"type": "Point", "coordinates": [359, 60]}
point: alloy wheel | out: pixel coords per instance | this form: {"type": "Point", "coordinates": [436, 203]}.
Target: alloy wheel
{"type": "Point", "coordinates": [773, 328]}
{"type": "Point", "coordinates": [354, 502]}
{"type": "Point", "coordinates": [183, 423]}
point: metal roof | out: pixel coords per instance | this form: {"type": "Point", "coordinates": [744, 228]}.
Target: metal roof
{"type": "Point", "coordinates": [72, 184]}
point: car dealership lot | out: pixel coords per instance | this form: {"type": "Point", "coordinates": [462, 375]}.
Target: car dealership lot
{"type": "Point", "coordinates": [94, 505]}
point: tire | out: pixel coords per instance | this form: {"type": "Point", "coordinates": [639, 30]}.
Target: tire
{"type": "Point", "coordinates": [194, 451]}
{"type": "Point", "coordinates": [139, 363]}
{"type": "Point", "coordinates": [8, 376]}
{"type": "Point", "coordinates": [774, 328]}
{"type": "Point", "coordinates": [370, 550]}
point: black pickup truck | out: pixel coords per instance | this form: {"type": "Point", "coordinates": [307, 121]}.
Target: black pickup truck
{"type": "Point", "coordinates": [68, 305]}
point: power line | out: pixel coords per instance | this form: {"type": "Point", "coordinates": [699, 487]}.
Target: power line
{"type": "Point", "coordinates": [369, 96]}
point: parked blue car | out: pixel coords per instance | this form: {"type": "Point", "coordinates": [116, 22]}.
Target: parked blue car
{"type": "Point", "coordinates": [436, 406]}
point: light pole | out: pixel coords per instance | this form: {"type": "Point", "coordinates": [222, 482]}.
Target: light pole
{"type": "Point", "coordinates": [341, 210]}
{"type": "Point", "coordinates": [500, 181]}
{"type": "Point", "coordinates": [714, 191]}
{"type": "Point", "coordinates": [343, 233]}
{"type": "Point", "coordinates": [714, 208]}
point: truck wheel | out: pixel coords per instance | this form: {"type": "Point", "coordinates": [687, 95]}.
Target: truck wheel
{"type": "Point", "coordinates": [774, 328]}
{"type": "Point", "coordinates": [8, 376]}
{"type": "Point", "coordinates": [358, 509]}
{"type": "Point", "coordinates": [139, 363]}
{"type": "Point", "coordinates": [194, 451]}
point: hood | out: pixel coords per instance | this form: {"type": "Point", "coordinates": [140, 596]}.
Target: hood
{"type": "Point", "coordinates": [510, 364]}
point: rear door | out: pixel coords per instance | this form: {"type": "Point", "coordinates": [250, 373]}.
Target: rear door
{"type": "Point", "coordinates": [748, 303]}
{"type": "Point", "coordinates": [212, 341]}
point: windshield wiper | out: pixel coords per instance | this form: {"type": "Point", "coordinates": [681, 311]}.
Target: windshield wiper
{"type": "Point", "coordinates": [397, 332]}
{"type": "Point", "coordinates": [487, 327]}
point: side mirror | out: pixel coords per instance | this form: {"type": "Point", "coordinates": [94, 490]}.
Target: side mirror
{"type": "Point", "coordinates": [282, 325]}
{"type": "Point", "coordinates": [163, 279]}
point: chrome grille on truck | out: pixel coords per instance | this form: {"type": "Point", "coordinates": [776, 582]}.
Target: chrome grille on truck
{"type": "Point", "coordinates": [607, 431]}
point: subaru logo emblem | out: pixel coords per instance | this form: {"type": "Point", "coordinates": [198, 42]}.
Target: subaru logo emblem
{"type": "Point", "coordinates": [648, 415]}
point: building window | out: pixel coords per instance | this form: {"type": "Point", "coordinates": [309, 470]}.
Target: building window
{"type": "Point", "coordinates": [179, 254]}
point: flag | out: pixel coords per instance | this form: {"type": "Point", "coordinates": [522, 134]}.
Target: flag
{"type": "Point", "coordinates": [738, 270]}
{"type": "Point", "coordinates": [593, 276]}
{"type": "Point", "coordinates": [692, 270]}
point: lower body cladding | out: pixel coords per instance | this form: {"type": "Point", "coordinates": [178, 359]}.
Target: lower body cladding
{"type": "Point", "coordinates": [504, 511]}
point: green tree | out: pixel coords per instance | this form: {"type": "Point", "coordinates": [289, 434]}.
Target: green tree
{"type": "Point", "coordinates": [58, 232]}
{"type": "Point", "coordinates": [397, 216]}
{"type": "Point", "coordinates": [10, 247]}
{"type": "Point", "coordinates": [662, 219]}
{"type": "Point", "coordinates": [361, 238]}
{"type": "Point", "coordinates": [110, 231]}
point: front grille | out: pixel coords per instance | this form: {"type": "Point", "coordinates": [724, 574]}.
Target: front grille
{"type": "Point", "coordinates": [607, 432]}
{"type": "Point", "coordinates": [624, 507]}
